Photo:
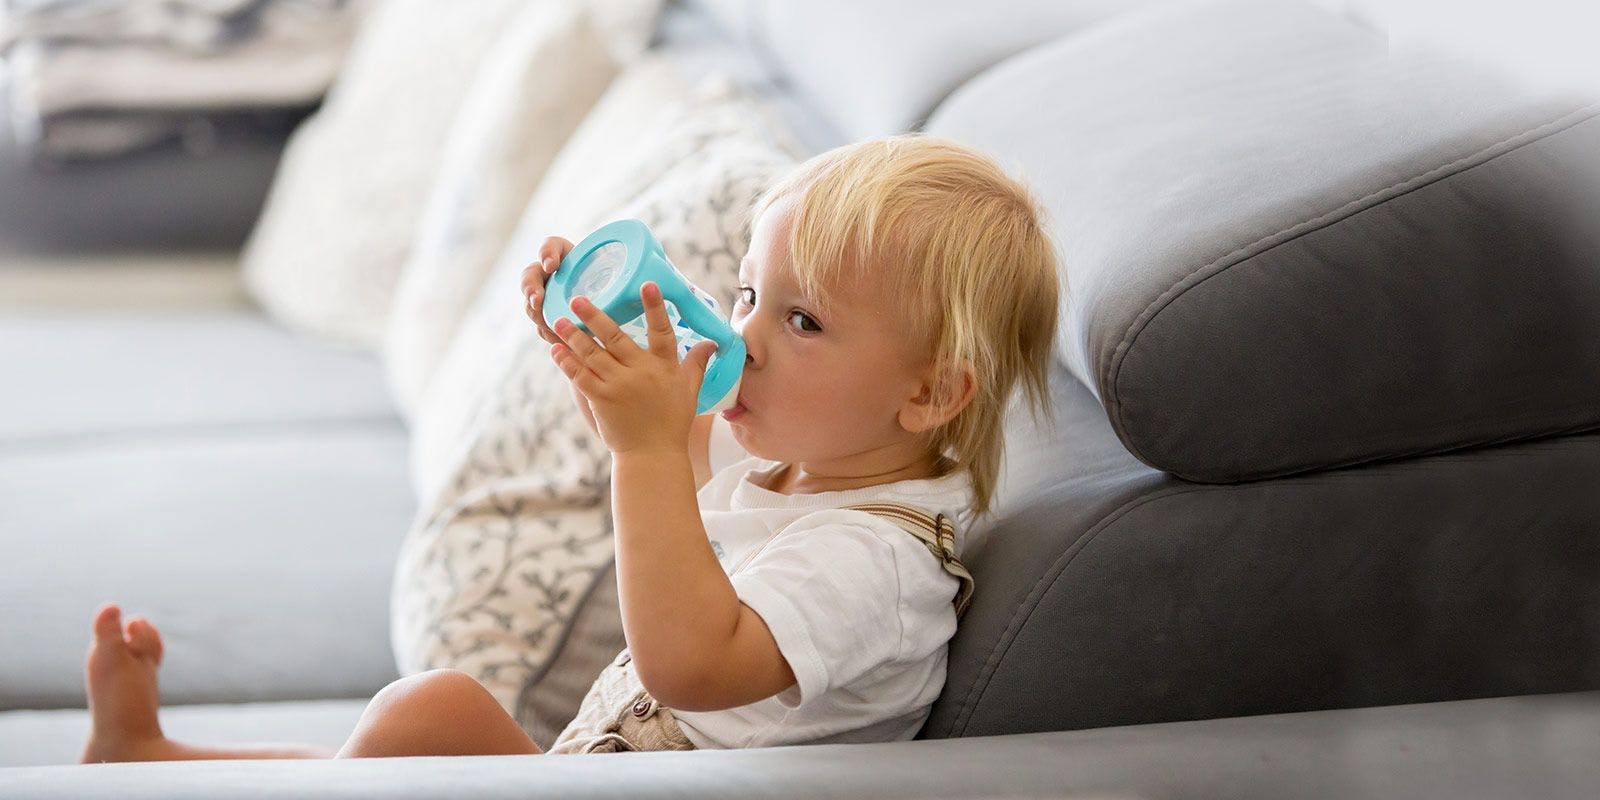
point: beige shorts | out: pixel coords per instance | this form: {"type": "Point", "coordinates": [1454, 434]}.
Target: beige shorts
{"type": "Point", "coordinates": [618, 715]}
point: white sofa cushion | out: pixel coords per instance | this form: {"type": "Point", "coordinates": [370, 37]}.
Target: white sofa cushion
{"type": "Point", "coordinates": [534, 88]}
{"type": "Point", "coordinates": [343, 208]}
{"type": "Point", "coordinates": [342, 213]}
{"type": "Point", "coordinates": [647, 123]}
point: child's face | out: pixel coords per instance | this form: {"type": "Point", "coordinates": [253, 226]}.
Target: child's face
{"type": "Point", "coordinates": [822, 385]}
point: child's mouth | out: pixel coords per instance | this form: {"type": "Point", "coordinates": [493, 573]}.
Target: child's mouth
{"type": "Point", "coordinates": [734, 413]}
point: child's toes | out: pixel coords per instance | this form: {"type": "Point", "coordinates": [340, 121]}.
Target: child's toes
{"type": "Point", "coordinates": [108, 625]}
{"type": "Point", "coordinates": [144, 639]}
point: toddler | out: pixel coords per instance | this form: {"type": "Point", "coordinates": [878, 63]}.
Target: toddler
{"type": "Point", "coordinates": [895, 293]}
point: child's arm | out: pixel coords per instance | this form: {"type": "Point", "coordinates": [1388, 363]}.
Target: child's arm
{"type": "Point", "coordinates": [700, 449]}
{"type": "Point", "coordinates": [695, 645]}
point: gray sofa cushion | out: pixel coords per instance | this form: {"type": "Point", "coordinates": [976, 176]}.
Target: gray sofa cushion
{"type": "Point", "coordinates": [39, 738]}
{"type": "Point", "coordinates": [263, 556]}
{"type": "Point", "coordinates": [87, 376]}
{"type": "Point", "coordinates": [1286, 248]}
{"type": "Point", "coordinates": [878, 68]}
{"type": "Point", "coordinates": [245, 489]}
{"type": "Point", "coordinates": [1110, 593]}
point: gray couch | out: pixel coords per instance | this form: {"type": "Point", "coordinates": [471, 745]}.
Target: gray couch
{"type": "Point", "coordinates": [1317, 515]}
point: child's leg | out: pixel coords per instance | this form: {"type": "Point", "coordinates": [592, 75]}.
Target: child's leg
{"type": "Point", "coordinates": [443, 712]}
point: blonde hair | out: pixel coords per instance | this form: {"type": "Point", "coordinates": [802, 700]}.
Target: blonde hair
{"type": "Point", "coordinates": [961, 247]}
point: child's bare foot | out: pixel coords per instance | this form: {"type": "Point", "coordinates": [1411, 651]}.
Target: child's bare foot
{"type": "Point", "coordinates": [120, 673]}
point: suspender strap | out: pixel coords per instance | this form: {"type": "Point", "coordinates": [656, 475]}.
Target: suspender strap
{"type": "Point", "coordinates": [937, 533]}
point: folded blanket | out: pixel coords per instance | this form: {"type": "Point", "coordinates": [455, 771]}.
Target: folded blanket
{"type": "Point", "coordinates": [70, 62]}
{"type": "Point", "coordinates": [192, 25]}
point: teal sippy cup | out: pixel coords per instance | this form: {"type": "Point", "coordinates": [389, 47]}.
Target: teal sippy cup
{"type": "Point", "coordinates": [610, 265]}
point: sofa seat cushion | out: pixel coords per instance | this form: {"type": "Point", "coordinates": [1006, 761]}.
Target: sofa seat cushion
{"type": "Point", "coordinates": [39, 738]}
{"type": "Point", "coordinates": [263, 556]}
{"type": "Point", "coordinates": [1286, 248]}
{"type": "Point", "coordinates": [85, 376]}
{"type": "Point", "coordinates": [1505, 747]}
{"type": "Point", "coordinates": [244, 488]}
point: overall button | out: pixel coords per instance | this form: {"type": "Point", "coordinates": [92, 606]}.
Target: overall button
{"type": "Point", "coordinates": [642, 708]}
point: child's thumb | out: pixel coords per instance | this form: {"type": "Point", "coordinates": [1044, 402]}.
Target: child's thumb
{"type": "Point", "coordinates": [700, 355]}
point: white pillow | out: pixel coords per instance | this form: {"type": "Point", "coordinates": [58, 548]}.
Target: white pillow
{"type": "Point", "coordinates": [342, 211]}
{"type": "Point", "coordinates": [648, 122]}
{"type": "Point", "coordinates": [629, 25]}
{"type": "Point", "coordinates": [513, 538]}
{"type": "Point", "coordinates": [534, 88]}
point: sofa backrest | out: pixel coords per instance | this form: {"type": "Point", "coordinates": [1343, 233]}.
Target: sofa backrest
{"type": "Point", "coordinates": [1286, 248]}
{"type": "Point", "coordinates": [878, 68]}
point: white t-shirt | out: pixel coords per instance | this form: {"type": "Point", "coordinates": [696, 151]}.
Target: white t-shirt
{"type": "Point", "coordinates": [860, 609]}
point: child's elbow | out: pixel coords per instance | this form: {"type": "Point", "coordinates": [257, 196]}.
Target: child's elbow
{"type": "Point", "coordinates": [670, 685]}
{"type": "Point", "coordinates": [692, 690]}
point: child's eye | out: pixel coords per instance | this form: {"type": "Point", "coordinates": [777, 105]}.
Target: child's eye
{"type": "Point", "coordinates": [746, 298]}
{"type": "Point", "coordinates": [802, 315]}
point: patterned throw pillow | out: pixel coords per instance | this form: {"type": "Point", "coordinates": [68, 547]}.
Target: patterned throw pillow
{"type": "Point", "coordinates": [507, 571]}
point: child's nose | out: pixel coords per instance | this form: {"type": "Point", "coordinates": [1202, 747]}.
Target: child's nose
{"type": "Point", "coordinates": [753, 346]}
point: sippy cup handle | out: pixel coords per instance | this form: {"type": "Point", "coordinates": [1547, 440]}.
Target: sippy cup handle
{"type": "Point", "coordinates": [727, 364]}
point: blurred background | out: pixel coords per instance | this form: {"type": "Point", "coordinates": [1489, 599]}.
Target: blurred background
{"type": "Point", "coordinates": [139, 137]}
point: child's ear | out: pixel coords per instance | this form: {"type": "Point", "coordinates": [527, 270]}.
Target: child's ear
{"type": "Point", "coordinates": [943, 396]}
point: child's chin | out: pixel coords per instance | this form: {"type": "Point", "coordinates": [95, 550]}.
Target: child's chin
{"type": "Point", "coordinates": [748, 442]}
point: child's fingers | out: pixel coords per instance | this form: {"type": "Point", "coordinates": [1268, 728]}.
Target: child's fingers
{"type": "Point", "coordinates": [663, 340]}
{"type": "Point", "coordinates": [537, 274]}
{"type": "Point", "coordinates": [578, 373]}
{"type": "Point", "coordinates": [535, 309]}
{"type": "Point", "coordinates": [552, 251]}
{"type": "Point", "coordinates": [534, 277]}
{"type": "Point", "coordinates": [618, 344]}
{"type": "Point", "coordinates": [700, 356]}
{"type": "Point", "coordinates": [585, 349]}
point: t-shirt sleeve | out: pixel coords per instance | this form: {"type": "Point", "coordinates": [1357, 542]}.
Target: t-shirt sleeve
{"type": "Point", "coordinates": [830, 595]}
{"type": "Point", "coordinates": [722, 450]}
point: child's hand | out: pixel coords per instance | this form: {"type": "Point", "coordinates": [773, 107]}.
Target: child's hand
{"type": "Point", "coordinates": [643, 400]}
{"type": "Point", "coordinates": [534, 277]}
